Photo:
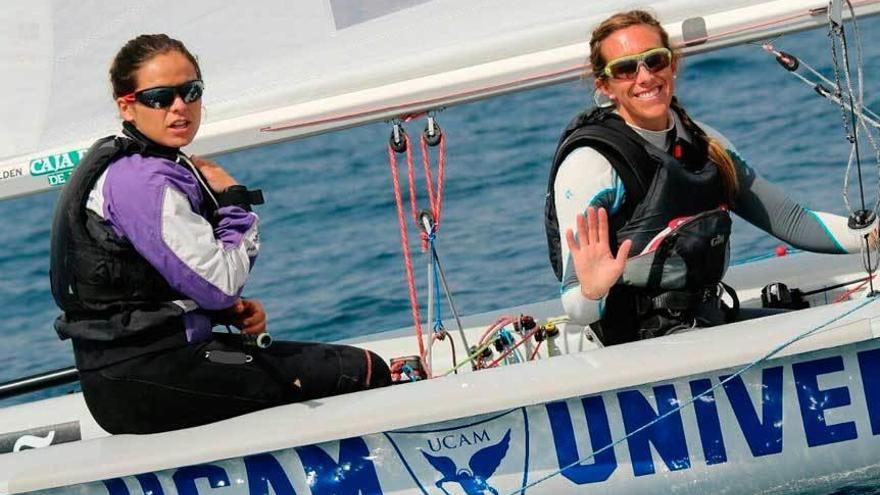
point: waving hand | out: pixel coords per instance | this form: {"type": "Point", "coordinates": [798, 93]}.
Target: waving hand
{"type": "Point", "coordinates": [597, 270]}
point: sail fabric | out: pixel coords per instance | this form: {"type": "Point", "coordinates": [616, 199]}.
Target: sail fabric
{"type": "Point", "coordinates": [278, 69]}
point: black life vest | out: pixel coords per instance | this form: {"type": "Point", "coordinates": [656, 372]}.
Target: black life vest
{"type": "Point", "coordinates": [674, 210]}
{"type": "Point", "coordinates": [106, 290]}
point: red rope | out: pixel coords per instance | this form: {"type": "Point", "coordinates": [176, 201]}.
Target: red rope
{"type": "Point", "coordinates": [441, 178]}
{"type": "Point", "coordinates": [499, 324]}
{"type": "Point", "coordinates": [852, 291]}
{"type": "Point", "coordinates": [435, 197]}
{"type": "Point", "coordinates": [441, 175]}
{"type": "Point", "coordinates": [411, 176]}
{"type": "Point", "coordinates": [535, 352]}
{"type": "Point", "coordinates": [429, 181]}
{"type": "Point", "coordinates": [404, 243]}
{"type": "Point", "coordinates": [510, 349]}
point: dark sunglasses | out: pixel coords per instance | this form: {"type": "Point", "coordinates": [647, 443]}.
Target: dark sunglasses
{"type": "Point", "coordinates": [655, 60]}
{"type": "Point", "coordinates": [163, 96]}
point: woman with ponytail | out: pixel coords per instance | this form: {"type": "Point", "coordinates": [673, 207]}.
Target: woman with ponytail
{"type": "Point", "coordinates": [648, 192]}
{"type": "Point", "coordinates": [152, 248]}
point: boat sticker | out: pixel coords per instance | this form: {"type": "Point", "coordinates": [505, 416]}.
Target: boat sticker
{"type": "Point", "coordinates": [487, 456]}
{"type": "Point", "coordinates": [40, 437]}
{"type": "Point", "coordinates": [11, 173]}
{"type": "Point", "coordinates": [57, 168]}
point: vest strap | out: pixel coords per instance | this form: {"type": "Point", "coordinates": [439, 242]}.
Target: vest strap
{"type": "Point", "coordinates": [677, 300]}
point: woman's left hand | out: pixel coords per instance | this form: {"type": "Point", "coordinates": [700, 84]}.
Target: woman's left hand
{"type": "Point", "coordinates": [218, 179]}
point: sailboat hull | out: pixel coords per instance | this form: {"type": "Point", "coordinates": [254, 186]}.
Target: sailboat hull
{"type": "Point", "coordinates": [805, 419]}
{"type": "Point", "coordinates": [789, 425]}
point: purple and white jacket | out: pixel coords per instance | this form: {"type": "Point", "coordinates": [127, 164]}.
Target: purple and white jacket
{"type": "Point", "coordinates": [157, 206]}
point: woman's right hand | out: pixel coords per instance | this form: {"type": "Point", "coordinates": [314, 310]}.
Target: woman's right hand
{"type": "Point", "coordinates": [597, 270]}
{"type": "Point", "coordinates": [218, 179]}
{"type": "Point", "coordinates": [247, 315]}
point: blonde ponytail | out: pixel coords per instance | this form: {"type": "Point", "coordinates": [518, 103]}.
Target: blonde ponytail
{"type": "Point", "coordinates": [721, 158]}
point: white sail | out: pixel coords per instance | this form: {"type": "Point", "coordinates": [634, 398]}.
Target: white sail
{"type": "Point", "coordinates": [277, 70]}
{"type": "Point", "coordinates": [283, 71]}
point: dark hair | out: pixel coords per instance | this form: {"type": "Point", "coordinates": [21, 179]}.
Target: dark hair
{"type": "Point", "coordinates": [138, 51]}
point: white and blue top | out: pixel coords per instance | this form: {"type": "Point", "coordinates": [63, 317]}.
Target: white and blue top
{"type": "Point", "coordinates": [586, 178]}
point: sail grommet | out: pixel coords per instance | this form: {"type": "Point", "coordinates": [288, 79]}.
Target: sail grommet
{"type": "Point", "coordinates": [397, 141]}
{"type": "Point", "coordinates": [433, 133]}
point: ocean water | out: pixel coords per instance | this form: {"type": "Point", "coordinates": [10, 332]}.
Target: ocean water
{"type": "Point", "coordinates": [331, 264]}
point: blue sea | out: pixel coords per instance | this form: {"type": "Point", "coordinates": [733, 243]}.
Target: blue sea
{"type": "Point", "coordinates": [331, 264]}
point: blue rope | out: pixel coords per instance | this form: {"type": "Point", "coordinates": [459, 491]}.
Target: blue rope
{"type": "Point", "coordinates": [410, 372]}
{"type": "Point", "coordinates": [506, 338]}
{"type": "Point", "coordinates": [749, 366]}
{"type": "Point", "coordinates": [435, 269]}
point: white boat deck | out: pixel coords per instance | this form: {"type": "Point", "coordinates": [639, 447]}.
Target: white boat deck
{"type": "Point", "coordinates": [574, 374]}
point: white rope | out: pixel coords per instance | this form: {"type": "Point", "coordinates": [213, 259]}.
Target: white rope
{"type": "Point", "coordinates": [864, 113]}
{"type": "Point", "coordinates": [851, 98]}
{"type": "Point", "coordinates": [858, 120]}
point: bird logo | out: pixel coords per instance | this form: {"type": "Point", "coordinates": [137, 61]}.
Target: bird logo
{"type": "Point", "coordinates": [481, 466]}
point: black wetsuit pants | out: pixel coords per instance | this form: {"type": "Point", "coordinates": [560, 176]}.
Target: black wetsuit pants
{"type": "Point", "coordinates": [202, 383]}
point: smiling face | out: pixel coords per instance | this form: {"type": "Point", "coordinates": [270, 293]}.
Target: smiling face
{"type": "Point", "coordinates": [643, 101]}
{"type": "Point", "coordinates": [174, 126]}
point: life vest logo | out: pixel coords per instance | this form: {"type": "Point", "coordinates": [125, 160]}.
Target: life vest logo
{"type": "Point", "coordinates": [488, 456]}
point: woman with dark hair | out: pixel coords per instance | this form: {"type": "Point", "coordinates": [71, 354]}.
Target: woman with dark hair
{"type": "Point", "coordinates": [151, 249]}
{"type": "Point", "coordinates": [639, 178]}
